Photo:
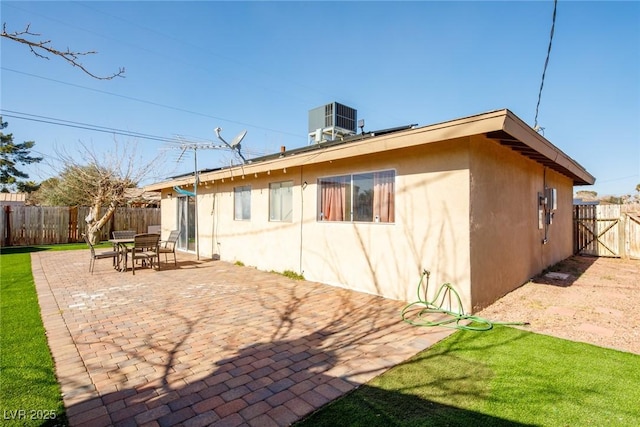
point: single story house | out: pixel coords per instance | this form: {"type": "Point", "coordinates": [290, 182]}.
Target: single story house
{"type": "Point", "coordinates": [482, 202]}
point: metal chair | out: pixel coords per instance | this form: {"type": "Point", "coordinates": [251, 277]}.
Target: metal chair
{"type": "Point", "coordinates": [123, 234]}
{"type": "Point", "coordinates": [98, 255]}
{"type": "Point", "coordinates": [169, 246]}
{"type": "Point", "coordinates": [145, 248]}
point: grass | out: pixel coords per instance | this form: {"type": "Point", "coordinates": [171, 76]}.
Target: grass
{"type": "Point", "coordinates": [290, 274]}
{"type": "Point", "coordinates": [502, 377]}
{"type": "Point", "coordinates": [29, 391]}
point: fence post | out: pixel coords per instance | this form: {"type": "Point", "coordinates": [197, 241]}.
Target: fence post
{"type": "Point", "coordinates": [36, 225]}
{"type": "Point", "coordinates": [623, 235]}
{"type": "Point", "coordinates": [7, 225]}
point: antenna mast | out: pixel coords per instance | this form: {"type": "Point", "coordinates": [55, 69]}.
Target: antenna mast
{"type": "Point", "coordinates": [234, 145]}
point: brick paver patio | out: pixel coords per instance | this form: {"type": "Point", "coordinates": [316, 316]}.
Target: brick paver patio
{"type": "Point", "coordinates": [210, 343]}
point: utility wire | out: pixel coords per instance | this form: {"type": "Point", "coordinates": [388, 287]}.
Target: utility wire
{"type": "Point", "coordinates": [97, 128]}
{"type": "Point", "coordinates": [546, 63]}
{"type": "Point", "coordinates": [86, 126]}
{"type": "Point", "coordinates": [183, 110]}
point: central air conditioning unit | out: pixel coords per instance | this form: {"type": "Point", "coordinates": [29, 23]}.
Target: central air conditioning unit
{"type": "Point", "coordinates": [331, 121]}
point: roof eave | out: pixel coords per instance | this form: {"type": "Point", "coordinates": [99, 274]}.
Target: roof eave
{"type": "Point", "coordinates": [467, 126]}
{"type": "Point", "coordinates": [531, 144]}
{"type": "Point", "coordinates": [501, 125]}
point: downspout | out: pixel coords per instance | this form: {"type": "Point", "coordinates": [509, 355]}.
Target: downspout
{"type": "Point", "coordinates": [195, 199]}
{"type": "Point", "coordinates": [303, 185]}
{"type": "Point", "coordinates": [215, 213]}
{"type": "Point", "coordinates": [542, 206]}
{"type": "Point", "coordinates": [544, 218]}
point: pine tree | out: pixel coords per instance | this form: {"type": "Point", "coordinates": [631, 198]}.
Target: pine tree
{"type": "Point", "coordinates": [11, 155]}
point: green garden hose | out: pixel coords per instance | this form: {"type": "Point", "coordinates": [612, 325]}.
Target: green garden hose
{"type": "Point", "coordinates": [421, 310]}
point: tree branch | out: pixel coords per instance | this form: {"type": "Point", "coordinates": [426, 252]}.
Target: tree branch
{"type": "Point", "coordinates": [43, 47]}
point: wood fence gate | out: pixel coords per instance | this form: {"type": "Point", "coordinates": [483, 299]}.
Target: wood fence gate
{"type": "Point", "coordinates": [604, 230]}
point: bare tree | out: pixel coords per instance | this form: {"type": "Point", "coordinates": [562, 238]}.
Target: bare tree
{"type": "Point", "coordinates": [100, 180]}
{"type": "Point", "coordinates": [42, 48]}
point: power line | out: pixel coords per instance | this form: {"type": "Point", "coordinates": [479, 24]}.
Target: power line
{"type": "Point", "coordinates": [546, 63]}
{"type": "Point", "coordinates": [183, 110]}
{"type": "Point", "coordinates": [171, 36]}
{"type": "Point", "coordinates": [97, 128]}
{"type": "Point", "coordinates": [86, 126]}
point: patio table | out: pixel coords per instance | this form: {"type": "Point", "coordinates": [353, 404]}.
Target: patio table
{"type": "Point", "coordinates": [120, 245]}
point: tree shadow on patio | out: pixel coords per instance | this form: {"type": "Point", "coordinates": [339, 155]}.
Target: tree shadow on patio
{"type": "Point", "coordinates": [238, 346]}
{"type": "Point", "coordinates": [268, 383]}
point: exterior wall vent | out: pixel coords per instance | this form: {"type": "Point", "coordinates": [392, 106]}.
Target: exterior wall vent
{"type": "Point", "coordinates": [331, 121]}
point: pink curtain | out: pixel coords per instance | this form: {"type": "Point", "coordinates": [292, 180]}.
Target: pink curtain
{"type": "Point", "coordinates": [384, 197]}
{"type": "Point", "coordinates": [333, 194]}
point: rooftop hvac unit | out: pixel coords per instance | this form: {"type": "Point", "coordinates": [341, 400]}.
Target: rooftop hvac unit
{"type": "Point", "coordinates": [330, 121]}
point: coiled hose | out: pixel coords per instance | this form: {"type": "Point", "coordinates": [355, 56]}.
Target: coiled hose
{"type": "Point", "coordinates": [417, 313]}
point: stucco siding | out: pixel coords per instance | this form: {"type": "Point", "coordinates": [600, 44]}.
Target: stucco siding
{"type": "Point", "coordinates": [167, 213]}
{"type": "Point", "coordinates": [507, 242]}
{"type": "Point", "coordinates": [430, 229]}
{"type": "Point", "coordinates": [258, 241]}
{"type": "Point", "coordinates": [560, 232]}
{"type": "Point", "coordinates": [466, 209]}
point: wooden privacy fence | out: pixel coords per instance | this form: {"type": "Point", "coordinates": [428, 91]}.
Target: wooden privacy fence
{"type": "Point", "coordinates": [50, 225]}
{"type": "Point", "coordinates": [605, 230]}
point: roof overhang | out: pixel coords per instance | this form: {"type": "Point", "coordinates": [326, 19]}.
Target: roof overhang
{"type": "Point", "coordinates": [521, 138]}
{"type": "Point", "coordinates": [500, 125]}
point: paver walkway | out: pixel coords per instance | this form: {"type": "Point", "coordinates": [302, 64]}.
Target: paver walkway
{"type": "Point", "coordinates": [210, 343]}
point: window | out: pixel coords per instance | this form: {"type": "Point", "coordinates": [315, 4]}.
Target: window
{"type": "Point", "coordinates": [242, 203]}
{"type": "Point", "coordinates": [365, 197]}
{"type": "Point", "coordinates": [281, 201]}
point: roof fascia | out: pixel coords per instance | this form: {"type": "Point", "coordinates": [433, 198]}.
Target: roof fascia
{"type": "Point", "coordinates": [518, 129]}
{"type": "Point", "coordinates": [459, 128]}
{"type": "Point", "coordinates": [494, 121]}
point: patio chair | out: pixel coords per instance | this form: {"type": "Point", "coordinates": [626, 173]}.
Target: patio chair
{"type": "Point", "coordinates": [99, 255]}
{"type": "Point", "coordinates": [145, 248]}
{"type": "Point", "coordinates": [121, 246]}
{"type": "Point", "coordinates": [169, 246]}
{"type": "Point", "coordinates": [123, 234]}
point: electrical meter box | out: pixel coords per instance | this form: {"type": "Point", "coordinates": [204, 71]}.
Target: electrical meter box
{"type": "Point", "coordinates": [551, 194]}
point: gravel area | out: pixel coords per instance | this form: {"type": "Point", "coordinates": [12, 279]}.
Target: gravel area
{"type": "Point", "coordinates": [587, 299]}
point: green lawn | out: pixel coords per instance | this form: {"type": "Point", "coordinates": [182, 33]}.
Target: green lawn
{"type": "Point", "coordinates": [501, 377]}
{"type": "Point", "coordinates": [29, 392]}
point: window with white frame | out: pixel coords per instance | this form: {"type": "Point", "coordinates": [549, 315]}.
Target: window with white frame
{"type": "Point", "coordinates": [363, 197]}
{"type": "Point", "coordinates": [242, 203]}
{"type": "Point", "coordinates": [281, 201]}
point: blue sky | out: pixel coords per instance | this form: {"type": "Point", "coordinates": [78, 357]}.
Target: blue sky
{"type": "Point", "coordinates": [261, 66]}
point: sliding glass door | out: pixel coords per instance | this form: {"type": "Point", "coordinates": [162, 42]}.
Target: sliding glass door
{"type": "Point", "coordinates": [187, 223]}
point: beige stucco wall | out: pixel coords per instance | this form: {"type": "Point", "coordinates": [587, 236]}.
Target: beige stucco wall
{"type": "Point", "coordinates": [256, 242]}
{"type": "Point", "coordinates": [466, 210]}
{"type": "Point", "coordinates": [507, 246]}
{"type": "Point", "coordinates": [167, 212]}
{"type": "Point", "coordinates": [430, 231]}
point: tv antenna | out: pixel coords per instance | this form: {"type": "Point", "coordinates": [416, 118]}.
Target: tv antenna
{"type": "Point", "coordinates": [184, 146]}
{"type": "Point", "coordinates": [195, 146]}
{"type": "Point", "coordinates": [235, 142]}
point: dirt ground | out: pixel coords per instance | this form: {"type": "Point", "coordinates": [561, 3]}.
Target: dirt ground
{"type": "Point", "coordinates": [587, 299]}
